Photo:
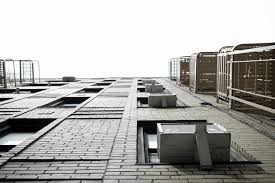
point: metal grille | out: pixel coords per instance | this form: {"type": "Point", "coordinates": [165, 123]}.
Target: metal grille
{"type": "Point", "coordinates": [173, 68]}
{"type": "Point", "coordinates": [252, 76]}
{"type": "Point", "coordinates": [183, 71]}
{"type": "Point", "coordinates": [18, 72]}
{"type": "Point", "coordinates": [223, 73]}
{"type": "Point", "coordinates": [203, 69]}
{"type": "Point", "coordinates": [2, 74]}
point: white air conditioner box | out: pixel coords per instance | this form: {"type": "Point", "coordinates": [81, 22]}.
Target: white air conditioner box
{"type": "Point", "coordinates": [177, 143]}
{"type": "Point", "coordinates": [162, 100]}
{"type": "Point", "coordinates": [148, 81]}
{"type": "Point", "coordinates": [68, 79]}
{"type": "Point", "coordinates": [153, 88]}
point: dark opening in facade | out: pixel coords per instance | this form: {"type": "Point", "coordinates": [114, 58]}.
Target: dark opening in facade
{"type": "Point", "coordinates": [109, 80]}
{"type": "Point", "coordinates": [139, 89]}
{"type": "Point", "coordinates": [142, 102]}
{"type": "Point", "coordinates": [46, 84]}
{"type": "Point", "coordinates": [20, 91]}
{"type": "Point", "coordinates": [149, 144]}
{"type": "Point", "coordinates": [3, 99]}
{"type": "Point", "coordinates": [15, 131]}
{"type": "Point", "coordinates": [90, 90]}
{"type": "Point", "coordinates": [102, 84]}
{"type": "Point", "coordinates": [67, 102]}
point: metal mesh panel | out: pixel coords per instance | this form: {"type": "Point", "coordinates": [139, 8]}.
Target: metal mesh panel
{"type": "Point", "coordinates": [223, 73]}
{"type": "Point", "coordinates": [173, 68]}
{"type": "Point", "coordinates": [183, 71]}
{"type": "Point", "coordinates": [17, 72]}
{"type": "Point", "coordinates": [253, 73]}
{"type": "Point", "coordinates": [203, 69]}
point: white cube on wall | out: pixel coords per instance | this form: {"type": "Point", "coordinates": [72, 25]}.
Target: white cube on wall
{"type": "Point", "coordinates": [153, 88]}
{"type": "Point", "coordinates": [148, 81]}
{"type": "Point", "coordinates": [177, 143]}
{"type": "Point", "coordinates": [162, 100]}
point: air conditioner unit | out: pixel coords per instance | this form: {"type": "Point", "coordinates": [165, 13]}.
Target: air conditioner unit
{"type": "Point", "coordinates": [148, 81]}
{"type": "Point", "coordinates": [68, 79]}
{"type": "Point", "coordinates": [177, 143]}
{"type": "Point", "coordinates": [162, 100]}
{"type": "Point", "coordinates": [153, 88]}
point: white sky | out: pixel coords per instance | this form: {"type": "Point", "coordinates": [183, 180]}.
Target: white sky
{"type": "Point", "coordinates": [124, 37]}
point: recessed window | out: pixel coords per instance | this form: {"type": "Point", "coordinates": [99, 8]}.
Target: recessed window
{"type": "Point", "coordinates": [142, 102]}
{"type": "Point", "coordinates": [109, 80]}
{"type": "Point", "coordinates": [20, 91]}
{"type": "Point", "coordinates": [3, 99]}
{"type": "Point", "coordinates": [139, 89]}
{"type": "Point", "coordinates": [152, 146]}
{"type": "Point", "coordinates": [16, 131]}
{"type": "Point", "coordinates": [46, 84]}
{"type": "Point", "coordinates": [102, 84]}
{"type": "Point", "coordinates": [90, 90]}
{"type": "Point", "coordinates": [67, 102]}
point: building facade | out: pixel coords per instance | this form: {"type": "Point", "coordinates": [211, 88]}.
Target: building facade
{"type": "Point", "coordinates": [88, 131]}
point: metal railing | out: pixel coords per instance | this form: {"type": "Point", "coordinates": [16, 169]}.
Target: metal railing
{"type": "Point", "coordinates": [14, 73]}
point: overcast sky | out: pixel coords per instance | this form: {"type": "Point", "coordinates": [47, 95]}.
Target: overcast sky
{"type": "Point", "coordinates": [124, 37]}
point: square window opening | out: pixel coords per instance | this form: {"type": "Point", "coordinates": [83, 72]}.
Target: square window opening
{"type": "Point", "coordinates": [109, 80]}
{"type": "Point", "coordinates": [46, 84]}
{"type": "Point", "coordinates": [3, 99]}
{"type": "Point", "coordinates": [142, 102]}
{"type": "Point", "coordinates": [102, 84]}
{"type": "Point", "coordinates": [16, 131]}
{"type": "Point", "coordinates": [148, 145]}
{"type": "Point", "coordinates": [67, 102]}
{"type": "Point", "coordinates": [90, 90]}
{"type": "Point", "coordinates": [140, 90]}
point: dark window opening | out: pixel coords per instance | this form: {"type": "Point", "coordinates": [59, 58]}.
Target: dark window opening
{"type": "Point", "coordinates": [90, 90]}
{"type": "Point", "coordinates": [16, 131]}
{"type": "Point", "coordinates": [46, 84]}
{"type": "Point", "coordinates": [102, 84]}
{"type": "Point", "coordinates": [67, 102]}
{"type": "Point", "coordinates": [206, 104]}
{"type": "Point", "coordinates": [109, 80]}
{"type": "Point", "coordinates": [147, 145]}
{"type": "Point", "coordinates": [140, 83]}
{"type": "Point", "coordinates": [140, 89]}
{"type": "Point", "coordinates": [20, 91]}
{"type": "Point", "coordinates": [142, 102]}
{"type": "Point", "coordinates": [3, 99]}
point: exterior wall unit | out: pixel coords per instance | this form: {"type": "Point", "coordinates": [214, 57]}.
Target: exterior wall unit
{"type": "Point", "coordinates": [223, 73]}
{"type": "Point", "coordinates": [17, 72]}
{"type": "Point", "coordinates": [203, 68]}
{"type": "Point", "coordinates": [3, 83]}
{"type": "Point", "coordinates": [173, 68]}
{"type": "Point", "coordinates": [252, 78]}
{"type": "Point", "coordinates": [183, 71]}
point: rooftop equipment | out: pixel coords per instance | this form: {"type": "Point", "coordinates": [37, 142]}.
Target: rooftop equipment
{"type": "Point", "coordinates": [203, 68]}
{"type": "Point", "coordinates": [173, 68]}
{"type": "Point", "coordinates": [251, 84]}
{"type": "Point", "coordinates": [148, 81]}
{"type": "Point", "coordinates": [17, 72]}
{"type": "Point", "coordinates": [162, 100]}
{"type": "Point", "coordinates": [223, 73]}
{"type": "Point", "coordinates": [68, 79]}
{"type": "Point", "coordinates": [189, 143]}
{"type": "Point", "coordinates": [153, 88]}
{"type": "Point", "coordinates": [183, 71]}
